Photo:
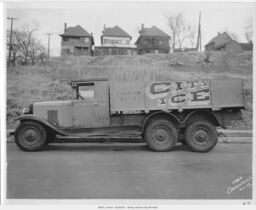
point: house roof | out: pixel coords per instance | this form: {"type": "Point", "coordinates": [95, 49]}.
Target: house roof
{"type": "Point", "coordinates": [246, 46]}
{"type": "Point", "coordinates": [153, 31]}
{"type": "Point", "coordinates": [220, 40]}
{"type": "Point", "coordinates": [115, 31]}
{"type": "Point", "coordinates": [75, 31]}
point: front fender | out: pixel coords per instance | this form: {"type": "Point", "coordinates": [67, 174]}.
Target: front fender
{"type": "Point", "coordinates": [42, 121]}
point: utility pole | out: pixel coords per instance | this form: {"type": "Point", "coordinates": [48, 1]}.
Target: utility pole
{"type": "Point", "coordinates": [199, 38]}
{"type": "Point", "coordinates": [10, 42]}
{"type": "Point", "coordinates": [49, 35]}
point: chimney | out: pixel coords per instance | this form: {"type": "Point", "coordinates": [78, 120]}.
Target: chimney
{"type": "Point", "coordinates": [142, 26]}
{"type": "Point", "coordinates": [65, 27]}
{"type": "Point", "coordinates": [218, 33]}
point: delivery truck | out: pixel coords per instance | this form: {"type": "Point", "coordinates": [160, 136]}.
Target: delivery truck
{"type": "Point", "coordinates": [161, 112]}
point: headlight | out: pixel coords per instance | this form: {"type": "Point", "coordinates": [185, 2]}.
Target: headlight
{"type": "Point", "coordinates": [25, 110]}
{"type": "Point", "coordinates": [28, 110]}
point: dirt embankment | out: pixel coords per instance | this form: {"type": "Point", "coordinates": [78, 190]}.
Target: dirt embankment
{"type": "Point", "coordinates": [28, 84]}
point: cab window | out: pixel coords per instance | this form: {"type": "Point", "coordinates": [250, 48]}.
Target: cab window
{"type": "Point", "coordinates": [85, 91]}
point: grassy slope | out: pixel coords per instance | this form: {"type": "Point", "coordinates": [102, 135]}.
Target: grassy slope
{"type": "Point", "coordinates": [29, 84]}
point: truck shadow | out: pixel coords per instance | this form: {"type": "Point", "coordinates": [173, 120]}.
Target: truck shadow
{"type": "Point", "coordinates": [89, 147]}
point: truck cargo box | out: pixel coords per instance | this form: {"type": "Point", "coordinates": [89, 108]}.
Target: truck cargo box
{"type": "Point", "coordinates": [176, 95]}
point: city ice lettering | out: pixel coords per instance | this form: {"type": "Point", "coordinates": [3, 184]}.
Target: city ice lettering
{"type": "Point", "coordinates": [165, 87]}
{"type": "Point", "coordinates": [180, 92]}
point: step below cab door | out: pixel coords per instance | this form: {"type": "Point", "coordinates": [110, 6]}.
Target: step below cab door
{"type": "Point", "coordinates": [91, 108]}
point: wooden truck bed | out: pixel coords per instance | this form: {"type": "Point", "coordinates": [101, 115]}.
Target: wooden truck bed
{"type": "Point", "coordinates": [176, 95]}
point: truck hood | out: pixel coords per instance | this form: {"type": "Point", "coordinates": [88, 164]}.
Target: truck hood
{"type": "Point", "coordinates": [53, 103]}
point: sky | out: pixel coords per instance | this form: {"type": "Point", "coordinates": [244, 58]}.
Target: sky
{"type": "Point", "coordinates": [51, 16]}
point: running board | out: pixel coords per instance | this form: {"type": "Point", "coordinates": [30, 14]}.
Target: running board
{"type": "Point", "coordinates": [110, 136]}
{"type": "Point", "coordinates": [97, 139]}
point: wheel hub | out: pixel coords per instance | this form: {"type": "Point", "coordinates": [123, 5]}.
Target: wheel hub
{"type": "Point", "coordinates": [160, 135]}
{"type": "Point", "coordinates": [30, 135]}
{"type": "Point", "coordinates": [201, 136]}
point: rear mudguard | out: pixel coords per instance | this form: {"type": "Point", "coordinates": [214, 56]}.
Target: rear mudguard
{"type": "Point", "coordinates": [42, 121]}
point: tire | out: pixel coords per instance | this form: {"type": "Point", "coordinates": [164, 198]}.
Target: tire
{"type": "Point", "coordinates": [201, 136]}
{"type": "Point", "coordinates": [161, 135]}
{"type": "Point", "coordinates": [30, 136]}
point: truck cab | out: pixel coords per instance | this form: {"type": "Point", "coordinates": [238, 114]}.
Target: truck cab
{"type": "Point", "coordinates": [90, 104]}
{"type": "Point", "coordinates": [88, 108]}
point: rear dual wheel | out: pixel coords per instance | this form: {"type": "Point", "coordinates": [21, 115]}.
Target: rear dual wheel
{"type": "Point", "coordinates": [161, 135]}
{"type": "Point", "coordinates": [201, 136]}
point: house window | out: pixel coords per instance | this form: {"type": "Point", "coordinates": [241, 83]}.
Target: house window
{"type": "Point", "coordinates": [87, 39]}
{"type": "Point", "coordinates": [68, 51]}
{"type": "Point", "coordinates": [74, 38]}
{"type": "Point", "coordinates": [65, 39]}
{"type": "Point", "coordinates": [160, 42]}
{"type": "Point", "coordinates": [127, 42]}
{"type": "Point", "coordinates": [78, 50]}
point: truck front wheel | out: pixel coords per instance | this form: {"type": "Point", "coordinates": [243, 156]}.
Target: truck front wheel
{"type": "Point", "coordinates": [161, 135]}
{"type": "Point", "coordinates": [30, 136]}
{"type": "Point", "coordinates": [201, 136]}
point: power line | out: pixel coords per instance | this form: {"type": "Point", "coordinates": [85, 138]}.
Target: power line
{"type": "Point", "coordinates": [49, 39]}
{"type": "Point", "coordinates": [10, 42]}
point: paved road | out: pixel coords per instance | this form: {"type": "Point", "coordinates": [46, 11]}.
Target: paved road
{"type": "Point", "coordinates": [129, 171]}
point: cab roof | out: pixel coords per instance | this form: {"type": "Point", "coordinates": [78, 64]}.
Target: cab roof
{"type": "Point", "coordinates": [93, 79]}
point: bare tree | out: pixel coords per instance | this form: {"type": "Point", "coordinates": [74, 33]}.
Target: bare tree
{"type": "Point", "coordinates": [181, 32]}
{"type": "Point", "coordinates": [173, 23]}
{"type": "Point", "coordinates": [27, 46]}
{"type": "Point", "coordinates": [24, 41]}
{"type": "Point", "coordinates": [189, 36]}
{"type": "Point", "coordinates": [248, 30]}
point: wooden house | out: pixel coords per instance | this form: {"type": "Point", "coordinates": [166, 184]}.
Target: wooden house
{"type": "Point", "coordinates": [223, 42]}
{"type": "Point", "coordinates": [76, 41]}
{"type": "Point", "coordinates": [115, 41]}
{"type": "Point", "coordinates": [152, 40]}
{"type": "Point", "coordinates": [247, 46]}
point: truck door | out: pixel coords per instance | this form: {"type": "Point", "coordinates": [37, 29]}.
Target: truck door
{"type": "Point", "coordinates": [91, 107]}
{"type": "Point", "coordinates": [227, 93]}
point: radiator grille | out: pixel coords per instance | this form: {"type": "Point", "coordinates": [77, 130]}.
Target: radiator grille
{"type": "Point", "coordinates": [53, 117]}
